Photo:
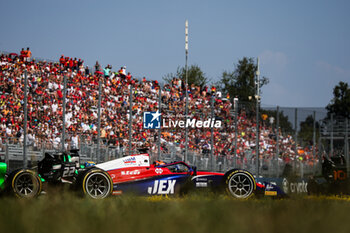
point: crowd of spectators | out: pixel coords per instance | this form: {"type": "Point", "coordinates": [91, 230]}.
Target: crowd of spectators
{"type": "Point", "coordinates": [45, 95]}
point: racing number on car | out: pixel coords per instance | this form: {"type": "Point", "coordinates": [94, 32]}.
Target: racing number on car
{"type": "Point", "coordinates": [339, 175]}
{"type": "Point", "coordinates": [68, 171]}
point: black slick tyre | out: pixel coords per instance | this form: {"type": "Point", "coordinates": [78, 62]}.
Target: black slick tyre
{"type": "Point", "coordinates": [25, 183]}
{"type": "Point", "coordinates": [240, 184]}
{"type": "Point", "coordinates": [96, 184]}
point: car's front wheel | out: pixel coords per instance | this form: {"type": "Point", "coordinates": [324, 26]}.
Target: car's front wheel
{"type": "Point", "coordinates": [240, 184]}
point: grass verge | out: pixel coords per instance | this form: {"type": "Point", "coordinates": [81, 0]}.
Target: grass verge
{"type": "Point", "coordinates": [194, 213]}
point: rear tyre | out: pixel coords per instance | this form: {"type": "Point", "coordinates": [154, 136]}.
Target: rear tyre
{"type": "Point", "coordinates": [25, 184]}
{"type": "Point", "coordinates": [240, 184]}
{"type": "Point", "coordinates": [97, 184]}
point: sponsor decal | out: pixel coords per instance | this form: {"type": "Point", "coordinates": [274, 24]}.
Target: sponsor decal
{"type": "Point", "coordinates": [201, 179]}
{"type": "Point", "coordinates": [131, 160]}
{"type": "Point", "coordinates": [201, 184]}
{"type": "Point", "coordinates": [270, 193]}
{"type": "Point", "coordinates": [294, 187]}
{"type": "Point", "coordinates": [162, 187]}
{"type": "Point", "coordinates": [113, 176]}
{"type": "Point", "coordinates": [159, 170]}
{"type": "Point", "coordinates": [118, 192]}
{"type": "Point", "coordinates": [285, 185]}
{"type": "Point", "coordinates": [269, 187]}
{"type": "Point", "coordinates": [134, 172]}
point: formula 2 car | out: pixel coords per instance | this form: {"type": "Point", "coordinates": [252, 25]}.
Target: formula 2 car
{"type": "Point", "coordinates": [53, 169]}
{"type": "Point", "coordinates": [333, 179]}
{"type": "Point", "coordinates": [132, 174]}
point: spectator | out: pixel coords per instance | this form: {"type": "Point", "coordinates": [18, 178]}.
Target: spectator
{"type": "Point", "coordinates": [28, 55]}
{"type": "Point", "coordinates": [75, 141]}
{"type": "Point", "coordinates": [106, 71]}
{"type": "Point", "coordinates": [87, 71]}
{"type": "Point", "coordinates": [98, 68]}
{"type": "Point", "coordinates": [45, 110]}
{"type": "Point", "coordinates": [122, 71]}
{"type": "Point", "coordinates": [23, 54]}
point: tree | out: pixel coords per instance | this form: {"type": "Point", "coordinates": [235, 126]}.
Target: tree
{"type": "Point", "coordinates": [194, 75]}
{"type": "Point", "coordinates": [307, 129]}
{"type": "Point", "coordinates": [241, 82]}
{"type": "Point", "coordinates": [340, 104]}
{"type": "Point", "coordinates": [284, 124]}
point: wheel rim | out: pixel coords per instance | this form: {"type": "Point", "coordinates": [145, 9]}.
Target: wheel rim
{"type": "Point", "coordinates": [25, 185]}
{"type": "Point", "coordinates": [97, 186]}
{"type": "Point", "coordinates": [240, 185]}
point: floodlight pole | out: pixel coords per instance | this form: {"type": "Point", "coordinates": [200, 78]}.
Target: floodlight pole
{"type": "Point", "coordinates": [314, 142]}
{"type": "Point", "coordinates": [130, 120]}
{"type": "Point", "coordinates": [186, 90]}
{"type": "Point", "coordinates": [257, 97]}
{"type": "Point", "coordinates": [159, 129]}
{"type": "Point", "coordinates": [98, 154]}
{"type": "Point", "coordinates": [25, 160]}
{"type": "Point", "coordinates": [332, 135]}
{"type": "Point", "coordinates": [277, 140]}
{"type": "Point", "coordinates": [212, 134]}
{"type": "Point", "coordinates": [347, 159]}
{"type": "Point", "coordinates": [296, 139]}
{"type": "Point", "coordinates": [63, 138]}
{"type": "Point", "coordinates": [235, 106]}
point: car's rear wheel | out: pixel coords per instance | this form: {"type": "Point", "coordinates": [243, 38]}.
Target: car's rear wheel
{"type": "Point", "coordinates": [240, 184]}
{"type": "Point", "coordinates": [97, 184]}
{"type": "Point", "coordinates": [25, 184]}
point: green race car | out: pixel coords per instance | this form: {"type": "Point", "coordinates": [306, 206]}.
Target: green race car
{"type": "Point", "coordinates": [54, 169]}
{"type": "Point", "coordinates": [3, 169]}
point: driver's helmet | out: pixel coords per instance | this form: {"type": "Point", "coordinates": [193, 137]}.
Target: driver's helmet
{"type": "Point", "coordinates": [159, 162]}
{"type": "Point", "coordinates": [177, 168]}
{"type": "Point", "coordinates": [89, 164]}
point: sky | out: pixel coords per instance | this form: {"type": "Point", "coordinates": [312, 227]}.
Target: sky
{"type": "Point", "coordinates": [303, 46]}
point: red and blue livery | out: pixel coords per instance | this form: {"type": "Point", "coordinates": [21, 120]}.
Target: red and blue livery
{"type": "Point", "coordinates": [135, 174]}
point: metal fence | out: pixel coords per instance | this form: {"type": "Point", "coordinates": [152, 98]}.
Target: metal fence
{"type": "Point", "coordinates": [329, 137]}
{"type": "Point", "coordinates": [12, 154]}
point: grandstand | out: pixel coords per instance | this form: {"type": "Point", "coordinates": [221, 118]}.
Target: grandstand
{"type": "Point", "coordinates": [45, 117]}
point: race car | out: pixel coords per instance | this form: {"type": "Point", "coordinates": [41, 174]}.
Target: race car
{"type": "Point", "coordinates": [132, 174]}
{"type": "Point", "coordinates": [53, 169]}
{"type": "Point", "coordinates": [333, 179]}
{"type": "Point", "coordinates": [3, 169]}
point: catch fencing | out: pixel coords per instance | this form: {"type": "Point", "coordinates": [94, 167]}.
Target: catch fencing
{"type": "Point", "coordinates": [303, 158]}
{"type": "Point", "coordinates": [12, 154]}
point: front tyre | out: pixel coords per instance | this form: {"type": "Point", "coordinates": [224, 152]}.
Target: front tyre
{"type": "Point", "coordinates": [26, 184]}
{"type": "Point", "coordinates": [97, 184]}
{"type": "Point", "coordinates": [240, 184]}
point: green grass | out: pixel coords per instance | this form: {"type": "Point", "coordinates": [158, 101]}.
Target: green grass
{"type": "Point", "coordinates": [194, 213]}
